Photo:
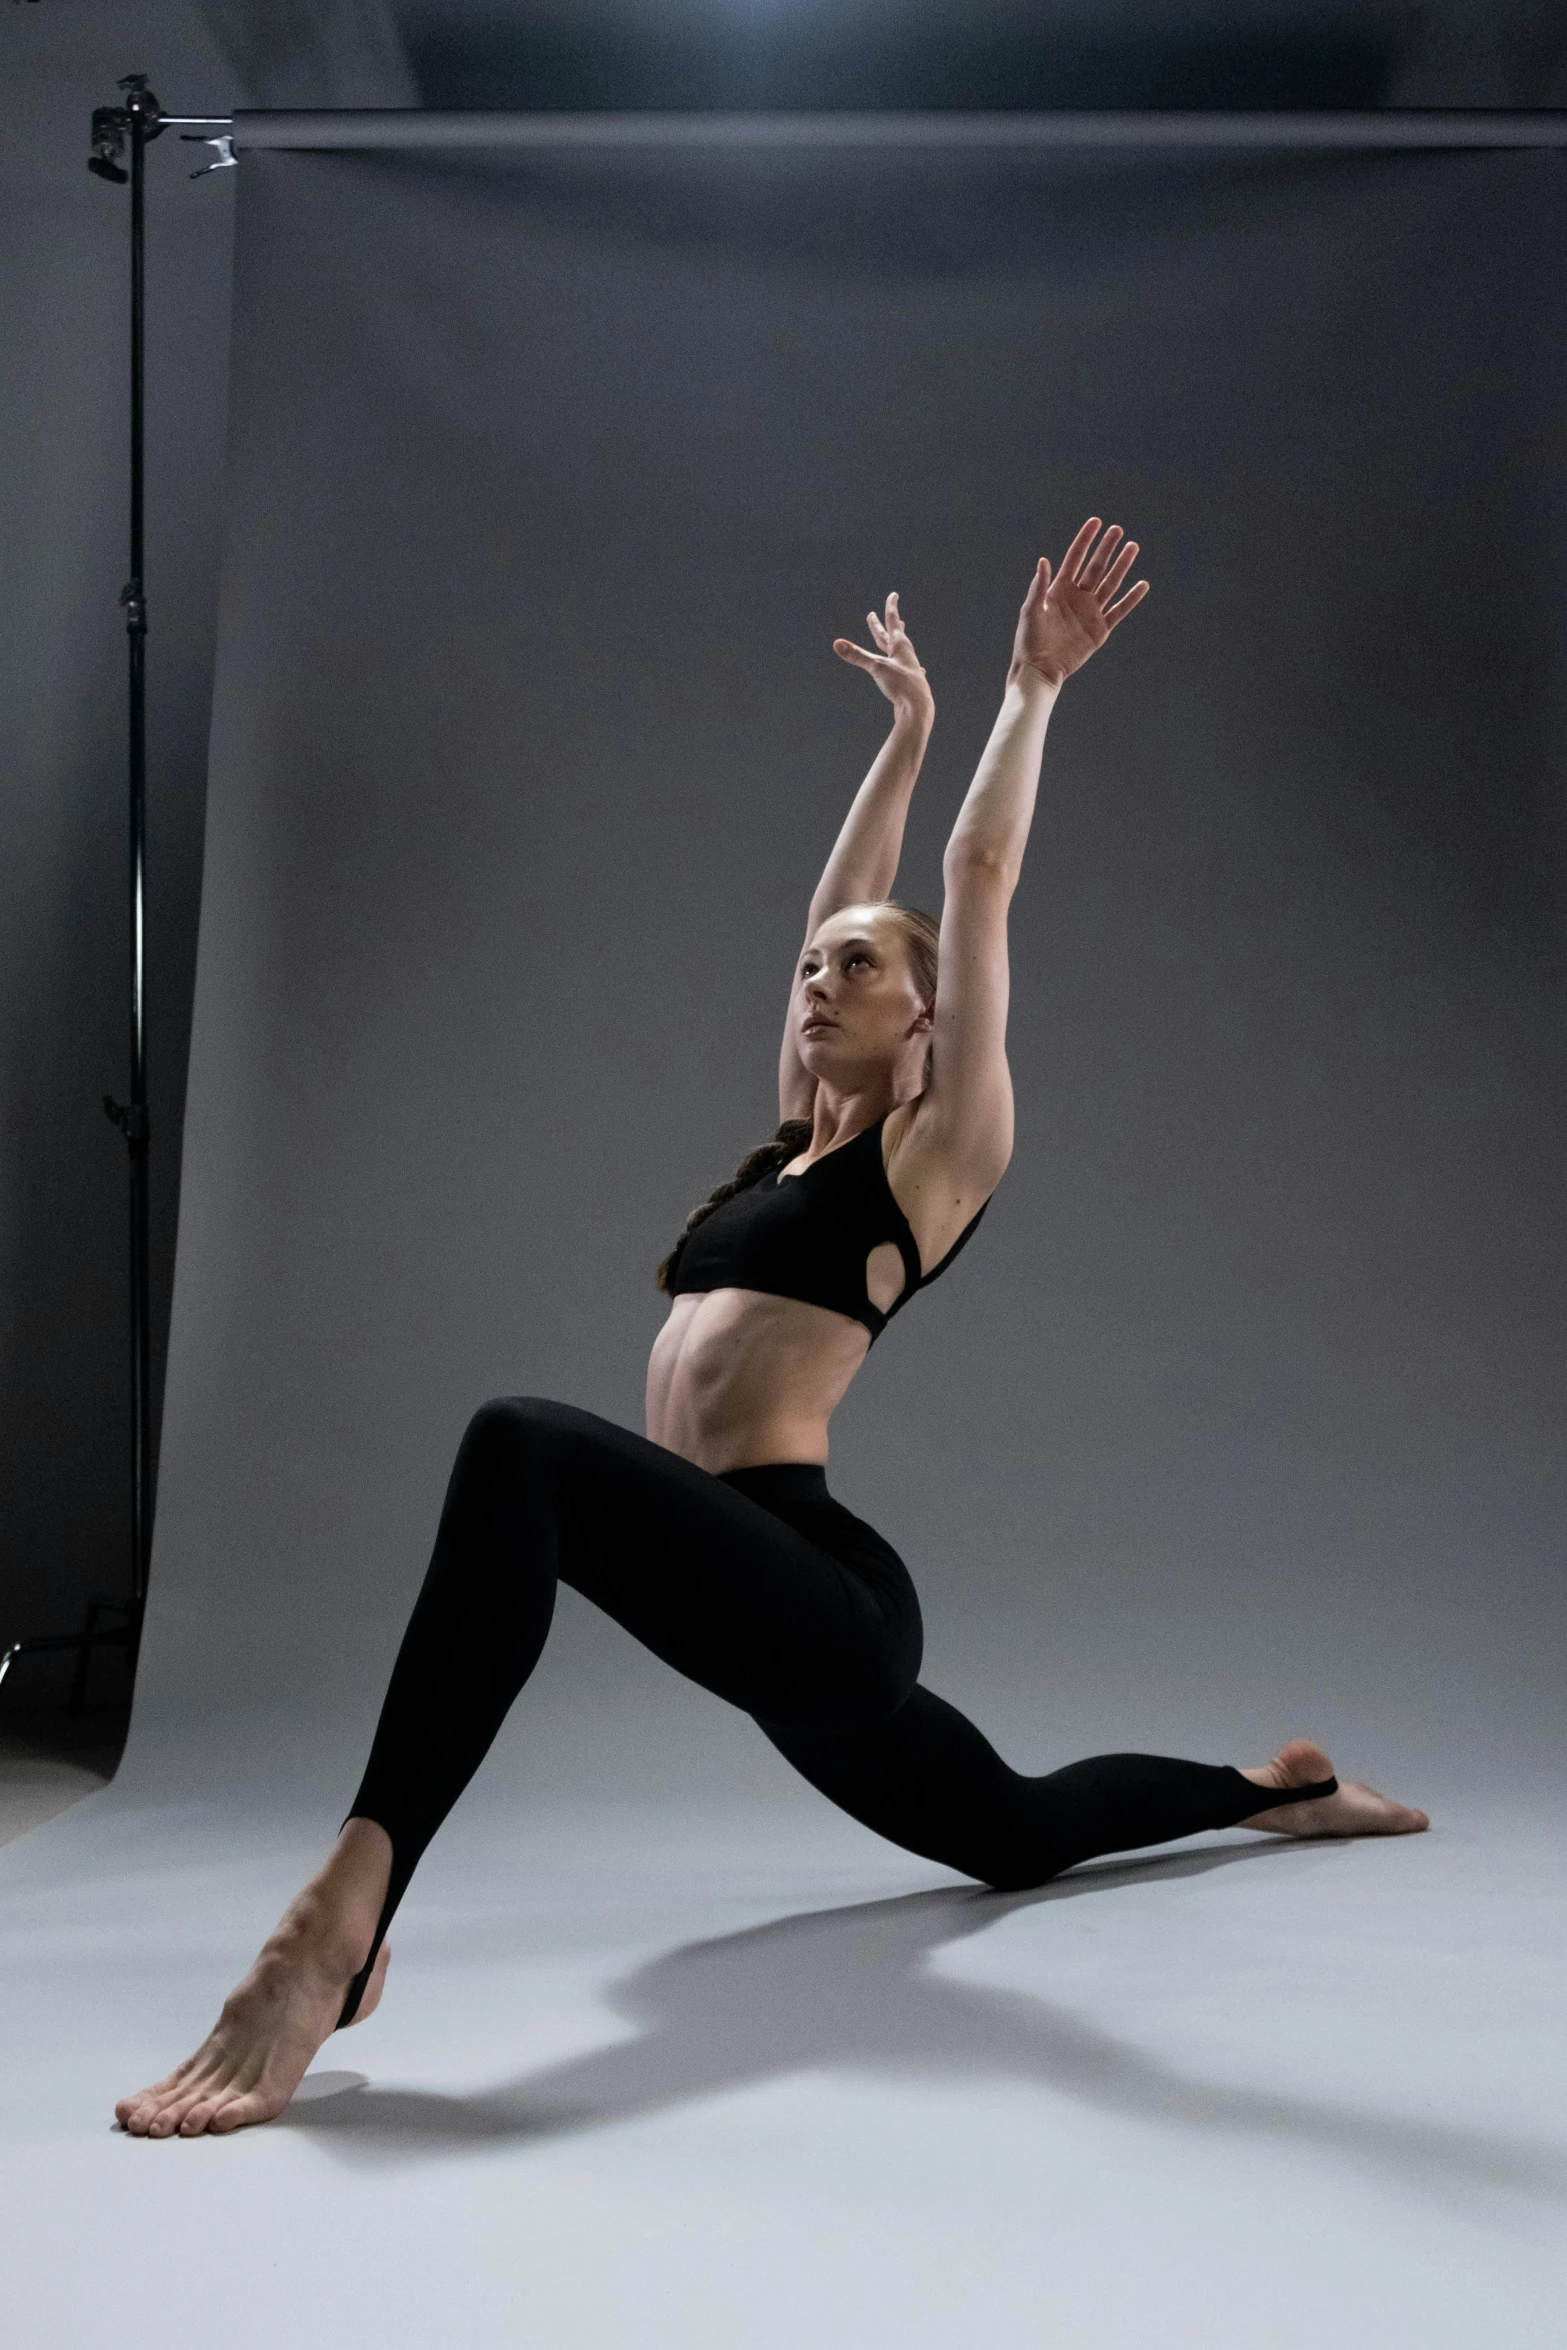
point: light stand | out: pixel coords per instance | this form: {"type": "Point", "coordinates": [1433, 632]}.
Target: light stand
{"type": "Point", "coordinates": [134, 122]}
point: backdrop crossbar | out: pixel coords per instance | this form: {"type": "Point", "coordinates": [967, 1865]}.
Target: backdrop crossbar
{"type": "Point", "coordinates": [1426, 128]}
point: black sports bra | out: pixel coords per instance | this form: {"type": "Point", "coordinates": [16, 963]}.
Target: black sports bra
{"type": "Point", "coordinates": [808, 1236]}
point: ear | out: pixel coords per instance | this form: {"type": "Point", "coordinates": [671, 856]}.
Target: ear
{"type": "Point", "coordinates": [925, 1019]}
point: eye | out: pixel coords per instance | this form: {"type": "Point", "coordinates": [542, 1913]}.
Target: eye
{"type": "Point", "coordinates": [857, 958]}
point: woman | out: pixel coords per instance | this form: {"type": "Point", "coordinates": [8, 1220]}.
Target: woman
{"type": "Point", "coordinates": [714, 1539]}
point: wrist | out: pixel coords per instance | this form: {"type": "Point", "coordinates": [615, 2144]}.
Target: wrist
{"type": "Point", "coordinates": [1031, 683]}
{"type": "Point", "coordinates": [914, 717]}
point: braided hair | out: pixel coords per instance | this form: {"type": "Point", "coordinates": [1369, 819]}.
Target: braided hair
{"type": "Point", "coordinates": [769, 1158]}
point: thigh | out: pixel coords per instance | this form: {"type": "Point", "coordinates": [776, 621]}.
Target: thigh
{"type": "Point", "coordinates": [717, 1586]}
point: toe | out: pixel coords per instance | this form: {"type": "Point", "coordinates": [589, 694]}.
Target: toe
{"type": "Point", "coordinates": [172, 2111]}
{"type": "Point", "coordinates": [164, 2113]}
{"type": "Point", "coordinates": [240, 2112]}
{"type": "Point", "coordinates": [138, 2113]}
{"type": "Point", "coordinates": [144, 2112]}
{"type": "Point", "coordinates": [139, 2110]}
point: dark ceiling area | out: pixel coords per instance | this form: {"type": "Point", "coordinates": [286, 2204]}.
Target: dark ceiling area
{"type": "Point", "coordinates": [892, 54]}
{"type": "Point", "coordinates": [816, 59]}
{"type": "Point", "coordinates": [889, 55]}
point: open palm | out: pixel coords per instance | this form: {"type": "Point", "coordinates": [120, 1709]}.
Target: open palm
{"type": "Point", "coordinates": [1067, 614]}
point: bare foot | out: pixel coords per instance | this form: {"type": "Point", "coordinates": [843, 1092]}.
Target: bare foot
{"type": "Point", "coordinates": [1356, 1810]}
{"type": "Point", "coordinates": [261, 2046]}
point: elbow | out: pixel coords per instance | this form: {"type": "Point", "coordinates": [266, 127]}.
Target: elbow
{"type": "Point", "coordinates": [979, 861]}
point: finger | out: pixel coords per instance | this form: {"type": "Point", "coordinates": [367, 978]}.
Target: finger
{"type": "Point", "coordinates": [894, 614]}
{"type": "Point", "coordinates": [1099, 561]}
{"type": "Point", "coordinates": [1038, 586]}
{"type": "Point", "coordinates": [1079, 547]}
{"type": "Point", "coordinates": [1129, 602]}
{"type": "Point", "coordinates": [873, 622]}
{"type": "Point", "coordinates": [1117, 572]}
{"type": "Point", "coordinates": [855, 654]}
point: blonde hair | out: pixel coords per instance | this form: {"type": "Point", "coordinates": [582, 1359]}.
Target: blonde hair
{"type": "Point", "coordinates": [922, 939]}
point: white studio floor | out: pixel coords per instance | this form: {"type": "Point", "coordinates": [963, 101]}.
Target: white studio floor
{"type": "Point", "coordinates": [659, 2081]}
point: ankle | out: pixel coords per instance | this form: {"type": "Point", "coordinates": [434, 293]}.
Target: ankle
{"type": "Point", "coordinates": [326, 1934]}
{"type": "Point", "coordinates": [358, 1870]}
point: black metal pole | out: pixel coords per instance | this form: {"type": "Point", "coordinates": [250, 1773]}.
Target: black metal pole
{"type": "Point", "coordinates": [135, 1123]}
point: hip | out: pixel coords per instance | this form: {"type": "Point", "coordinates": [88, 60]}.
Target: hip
{"type": "Point", "coordinates": [796, 1492]}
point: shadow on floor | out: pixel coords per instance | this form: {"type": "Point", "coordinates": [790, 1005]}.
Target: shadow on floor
{"type": "Point", "coordinates": [850, 1989]}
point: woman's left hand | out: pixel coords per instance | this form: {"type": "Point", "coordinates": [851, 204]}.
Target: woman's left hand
{"type": "Point", "coordinates": [1067, 615]}
{"type": "Point", "coordinates": [894, 665]}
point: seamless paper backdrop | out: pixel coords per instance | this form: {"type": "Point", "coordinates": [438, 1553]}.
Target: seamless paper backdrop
{"type": "Point", "coordinates": [550, 485]}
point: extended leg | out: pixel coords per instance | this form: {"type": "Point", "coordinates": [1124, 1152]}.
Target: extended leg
{"type": "Point", "coordinates": [927, 1780]}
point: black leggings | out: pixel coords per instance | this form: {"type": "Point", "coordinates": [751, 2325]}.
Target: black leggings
{"type": "Point", "coordinates": [761, 1587]}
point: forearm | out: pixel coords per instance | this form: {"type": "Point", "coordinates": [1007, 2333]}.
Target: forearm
{"type": "Point", "coordinates": [993, 822]}
{"type": "Point", "coordinates": [864, 860]}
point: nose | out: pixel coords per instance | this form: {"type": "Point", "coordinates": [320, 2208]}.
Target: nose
{"type": "Point", "coordinates": [816, 986]}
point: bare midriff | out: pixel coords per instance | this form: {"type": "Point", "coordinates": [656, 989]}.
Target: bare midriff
{"type": "Point", "coordinates": [738, 1379]}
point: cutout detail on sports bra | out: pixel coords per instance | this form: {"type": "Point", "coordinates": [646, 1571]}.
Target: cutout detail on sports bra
{"type": "Point", "coordinates": [885, 1275]}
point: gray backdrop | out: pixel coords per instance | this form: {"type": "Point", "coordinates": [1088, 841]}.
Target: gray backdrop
{"type": "Point", "coordinates": [549, 486]}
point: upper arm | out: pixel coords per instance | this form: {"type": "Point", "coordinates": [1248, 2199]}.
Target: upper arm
{"type": "Point", "coordinates": [967, 1107]}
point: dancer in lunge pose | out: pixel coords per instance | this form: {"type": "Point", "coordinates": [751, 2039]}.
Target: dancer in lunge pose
{"type": "Point", "coordinates": [714, 1539]}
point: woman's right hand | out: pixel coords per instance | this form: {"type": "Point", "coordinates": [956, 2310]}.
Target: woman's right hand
{"type": "Point", "coordinates": [894, 664]}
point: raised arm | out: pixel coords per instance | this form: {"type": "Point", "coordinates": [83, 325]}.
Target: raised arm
{"type": "Point", "coordinates": [864, 860]}
{"type": "Point", "coordinates": [964, 1123]}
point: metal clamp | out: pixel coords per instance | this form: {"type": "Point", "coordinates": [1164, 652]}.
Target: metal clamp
{"type": "Point", "coordinates": [224, 159]}
{"type": "Point", "coordinates": [131, 1119]}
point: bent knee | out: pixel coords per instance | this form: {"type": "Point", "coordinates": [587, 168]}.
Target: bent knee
{"type": "Point", "coordinates": [533, 1434]}
{"type": "Point", "coordinates": [889, 1686]}
{"type": "Point", "coordinates": [534, 1414]}
{"type": "Point", "coordinates": [880, 1685]}
{"type": "Point", "coordinates": [514, 1427]}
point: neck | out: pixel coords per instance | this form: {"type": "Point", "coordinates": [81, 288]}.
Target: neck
{"type": "Point", "coordinates": [839, 1112]}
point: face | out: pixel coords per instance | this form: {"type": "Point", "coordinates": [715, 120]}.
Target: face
{"type": "Point", "coordinates": [856, 1006]}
